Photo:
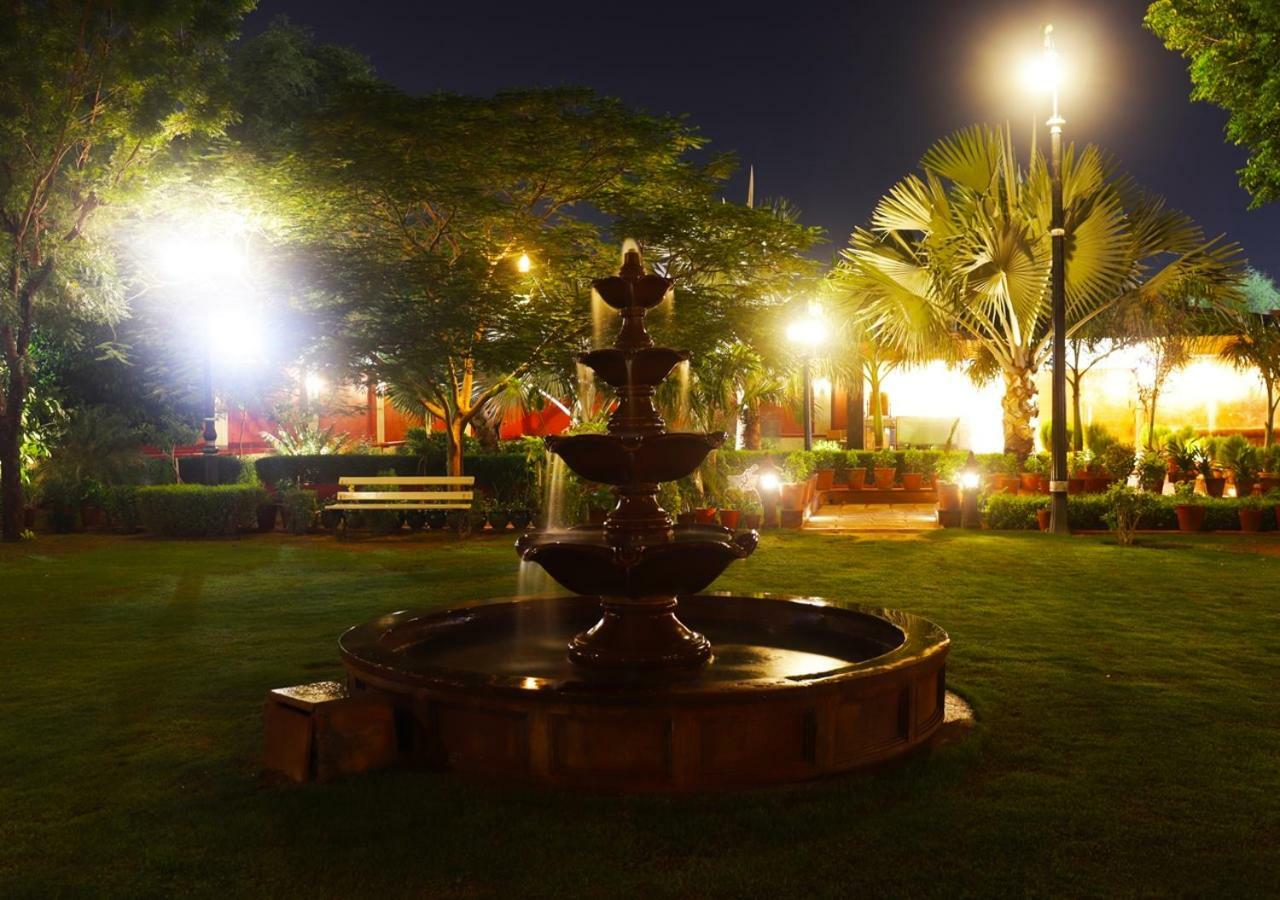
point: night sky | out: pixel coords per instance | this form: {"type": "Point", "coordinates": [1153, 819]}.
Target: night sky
{"type": "Point", "coordinates": [831, 102]}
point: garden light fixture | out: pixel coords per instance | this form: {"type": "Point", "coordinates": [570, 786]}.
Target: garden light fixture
{"type": "Point", "coordinates": [970, 481]}
{"type": "Point", "coordinates": [524, 264]}
{"type": "Point", "coordinates": [808, 333]}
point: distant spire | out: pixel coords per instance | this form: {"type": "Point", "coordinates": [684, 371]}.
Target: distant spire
{"type": "Point", "coordinates": [751, 187]}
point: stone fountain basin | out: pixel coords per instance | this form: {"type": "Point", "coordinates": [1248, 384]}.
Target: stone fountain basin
{"type": "Point", "coordinates": [623, 368]}
{"type": "Point", "coordinates": [798, 688]}
{"type": "Point", "coordinates": [622, 460]}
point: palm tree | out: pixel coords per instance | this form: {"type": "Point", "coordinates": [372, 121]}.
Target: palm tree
{"type": "Point", "coordinates": [730, 384]}
{"type": "Point", "coordinates": [1256, 346]}
{"type": "Point", "coordinates": [962, 251]}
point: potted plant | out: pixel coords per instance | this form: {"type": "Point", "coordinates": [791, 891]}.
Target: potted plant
{"type": "Point", "coordinates": [1244, 464]}
{"type": "Point", "coordinates": [929, 466]}
{"type": "Point", "coordinates": [1182, 458]}
{"type": "Point", "coordinates": [826, 459]}
{"type": "Point", "coordinates": [885, 463]}
{"type": "Point", "coordinates": [947, 486]}
{"type": "Point", "coordinates": [855, 473]}
{"type": "Point", "coordinates": [1270, 463]}
{"type": "Point", "coordinates": [912, 470]}
{"type": "Point", "coordinates": [1077, 465]}
{"type": "Point", "coordinates": [496, 515]}
{"type": "Point", "coordinates": [1214, 483]}
{"type": "Point", "coordinates": [1008, 473]}
{"type": "Point", "coordinates": [1151, 472]}
{"type": "Point", "coordinates": [730, 516]}
{"type": "Point", "coordinates": [1188, 507]}
{"type": "Point", "coordinates": [1044, 517]}
{"type": "Point", "coordinates": [1118, 461]}
{"type": "Point", "coordinates": [437, 519]}
{"type": "Point", "coordinates": [1251, 509]}
{"type": "Point", "coordinates": [1034, 478]}
{"type": "Point", "coordinates": [706, 513]}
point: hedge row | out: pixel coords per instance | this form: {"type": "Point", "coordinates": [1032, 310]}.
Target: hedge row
{"type": "Point", "coordinates": [798, 463]}
{"type": "Point", "coordinates": [198, 510]}
{"type": "Point", "coordinates": [1012, 512]}
{"type": "Point", "coordinates": [216, 470]}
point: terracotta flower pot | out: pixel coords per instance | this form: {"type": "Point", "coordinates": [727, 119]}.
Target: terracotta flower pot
{"type": "Point", "coordinates": [1214, 486]}
{"type": "Point", "coordinates": [856, 478]}
{"type": "Point", "coordinates": [1245, 486]}
{"type": "Point", "coordinates": [1268, 483]}
{"type": "Point", "coordinates": [729, 518]}
{"type": "Point", "coordinates": [1075, 485]}
{"type": "Point", "coordinates": [793, 495]}
{"type": "Point", "coordinates": [705, 515]}
{"type": "Point", "coordinates": [948, 496]}
{"type": "Point", "coordinates": [1190, 516]}
{"type": "Point", "coordinates": [826, 479]}
{"type": "Point", "coordinates": [912, 481]}
{"type": "Point", "coordinates": [885, 477]}
{"type": "Point", "coordinates": [1095, 484]}
{"type": "Point", "coordinates": [1043, 518]}
{"type": "Point", "coordinates": [1005, 484]}
{"type": "Point", "coordinates": [1250, 520]}
{"type": "Point", "coordinates": [751, 520]}
{"type": "Point", "coordinates": [1030, 482]}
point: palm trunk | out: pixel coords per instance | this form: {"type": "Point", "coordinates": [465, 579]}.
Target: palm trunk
{"type": "Point", "coordinates": [877, 411]}
{"type": "Point", "coordinates": [1151, 419]}
{"type": "Point", "coordinates": [1019, 406]}
{"type": "Point", "coordinates": [1077, 428]}
{"type": "Point", "coordinates": [751, 427]}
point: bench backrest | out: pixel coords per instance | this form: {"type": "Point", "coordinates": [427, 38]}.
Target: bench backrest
{"type": "Point", "coordinates": [430, 490]}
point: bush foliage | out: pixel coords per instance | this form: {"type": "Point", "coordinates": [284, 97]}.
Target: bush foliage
{"type": "Point", "coordinates": [1088, 512]}
{"type": "Point", "coordinates": [198, 510]}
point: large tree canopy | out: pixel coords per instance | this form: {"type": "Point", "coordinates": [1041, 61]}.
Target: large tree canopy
{"type": "Point", "coordinates": [1234, 49]}
{"type": "Point", "coordinates": [963, 249]}
{"type": "Point", "coordinates": [90, 94]}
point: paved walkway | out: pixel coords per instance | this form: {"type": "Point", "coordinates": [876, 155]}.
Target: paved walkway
{"type": "Point", "coordinates": [849, 517]}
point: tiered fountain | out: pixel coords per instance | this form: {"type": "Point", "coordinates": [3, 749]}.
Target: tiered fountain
{"type": "Point", "coordinates": [761, 689]}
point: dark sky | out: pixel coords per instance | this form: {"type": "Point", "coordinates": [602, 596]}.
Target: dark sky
{"type": "Point", "coordinates": [831, 102]}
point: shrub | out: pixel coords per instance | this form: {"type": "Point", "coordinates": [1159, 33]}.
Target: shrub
{"type": "Point", "coordinates": [913, 461]}
{"type": "Point", "coordinates": [1098, 439]}
{"type": "Point", "coordinates": [1010, 512]}
{"type": "Point", "coordinates": [298, 509]}
{"type": "Point", "coordinates": [198, 510]}
{"type": "Point", "coordinates": [1152, 471]}
{"type": "Point", "coordinates": [1127, 510]}
{"type": "Point", "coordinates": [886, 459]}
{"type": "Point", "coordinates": [828, 458]}
{"type": "Point", "coordinates": [1118, 460]}
{"type": "Point", "coordinates": [1036, 464]}
{"type": "Point", "coordinates": [221, 469]}
{"type": "Point", "coordinates": [120, 502]}
{"type": "Point", "coordinates": [799, 466]}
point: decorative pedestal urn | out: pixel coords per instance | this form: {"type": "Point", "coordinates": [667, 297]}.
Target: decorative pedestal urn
{"type": "Point", "coordinates": [610, 688]}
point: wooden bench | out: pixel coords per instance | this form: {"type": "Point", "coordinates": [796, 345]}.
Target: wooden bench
{"type": "Point", "coordinates": [428, 492]}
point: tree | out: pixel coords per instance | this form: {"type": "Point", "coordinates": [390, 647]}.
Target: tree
{"type": "Point", "coordinates": [1256, 346]}
{"type": "Point", "coordinates": [962, 252]}
{"type": "Point", "coordinates": [1234, 49]}
{"type": "Point", "coordinates": [90, 95]}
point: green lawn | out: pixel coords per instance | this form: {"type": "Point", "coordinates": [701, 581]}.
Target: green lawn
{"type": "Point", "coordinates": [1128, 739]}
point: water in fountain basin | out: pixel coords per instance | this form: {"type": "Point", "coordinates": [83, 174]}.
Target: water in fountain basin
{"type": "Point", "coordinates": [553, 502]}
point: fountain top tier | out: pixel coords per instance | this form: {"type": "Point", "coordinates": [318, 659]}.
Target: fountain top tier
{"type": "Point", "coordinates": [638, 561]}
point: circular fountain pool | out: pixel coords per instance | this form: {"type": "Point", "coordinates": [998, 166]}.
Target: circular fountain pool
{"type": "Point", "coordinates": [798, 688]}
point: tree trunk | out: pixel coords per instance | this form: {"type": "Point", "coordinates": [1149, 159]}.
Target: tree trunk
{"type": "Point", "coordinates": [453, 429]}
{"type": "Point", "coordinates": [751, 428]}
{"type": "Point", "coordinates": [11, 471]}
{"type": "Point", "coordinates": [877, 413]}
{"type": "Point", "coordinates": [488, 433]}
{"type": "Point", "coordinates": [1077, 428]}
{"type": "Point", "coordinates": [1019, 406]}
{"type": "Point", "coordinates": [855, 425]}
{"type": "Point", "coordinates": [1151, 420]}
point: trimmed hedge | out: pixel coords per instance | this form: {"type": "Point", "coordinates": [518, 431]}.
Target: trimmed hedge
{"type": "Point", "coordinates": [1013, 512]}
{"type": "Point", "coordinates": [226, 470]}
{"type": "Point", "coordinates": [198, 510]}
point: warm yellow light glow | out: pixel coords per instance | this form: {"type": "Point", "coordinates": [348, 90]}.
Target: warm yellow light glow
{"type": "Point", "coordinates": [822, 385]}
{"type": "Point", "coordinates": [1044, 73]}
{"type": "Point", "coordinates": [181, 258]}
{"type": "Point", "coordinates": [524, 263]}
{"type": "Point", "coordinates": [236, 335]}
{"type": "Point", "coordinates": [807, 332]}
{"type": "Point", "coordinates": [969, 480]}
{"type": "Point", "coordinates": [315, 384]}
{"type": "Point", "coordinates": [769, 481]}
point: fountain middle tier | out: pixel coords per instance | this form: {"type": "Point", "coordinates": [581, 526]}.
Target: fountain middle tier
{"type": "Point", "coordinates": [620, 459]}
{"type": "Point", "coordinates": [587, 561]}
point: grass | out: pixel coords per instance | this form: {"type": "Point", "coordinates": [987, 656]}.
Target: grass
{"type": "Point", "coordinates": [1129, 736]}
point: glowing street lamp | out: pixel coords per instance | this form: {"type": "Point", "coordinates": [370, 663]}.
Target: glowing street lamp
{"type": "Point", "coordinates": [524, 264]}
{"type": "Point", "coordinates": [970, 481]}
{"type": "Point", "coordinates": [808, 334]}
{"type": "Point", "coordinates": [1045, 74]}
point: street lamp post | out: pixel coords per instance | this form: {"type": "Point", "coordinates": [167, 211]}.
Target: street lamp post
{"type": "Point", "coordinates": [1049, 74]}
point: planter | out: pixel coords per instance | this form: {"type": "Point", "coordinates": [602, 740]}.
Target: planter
{"type": "Point", "coordinates": [885, 477]}
{"type": "Point", "coordinates": [437, 519]}
{"type": "Point", "coordinates": [1214, 486]}
{"type": "Point", "coordinates": [1044, 484]}
{"type": "Point", "coordinates": [729, 518]}
{"type": "Point", "coordinates": [912, 481]}
{"type": "Point", "coordinates": [415, 519]}
{"type": "Point", "coordinates": [1005, 484]}
{"type": "Point", "coordinates": [1245, 486]}
{"type": "Point", "coordinates": [1043, 518]}
{"type": "Point", "coordinates": [267, 513]}
{"type": "Point", "coordinates": [1154, 486]}
{"type": "Point", "coordinates": [856, 479]}
{"type": "Point", "coordinates": [498, 521]}
{"type": "Point", "coordinates": [1030, 482]}
{"type": "Point", "coordinates": [1075, 485]}
{"type": "Point", "coordinates": [329, 518]}
{"type": "Point", "coordinates": [1190, 516]}
{"type": "Point", "coordinates": [1096, 484]}
{"type": "Point", "coordinates": [1251, 520]}
{"type": "Point", "coordinates": [793, 495]}
{"type": "Point", "coordinates": [1268, 483]}
{"type": "Point", "coordinates": [826, 479]}
{"type": "Point", "coordinates": [752, 520]}
{"type": "Point", "coordinates": [705, 515]}
{"type": "Point", "coordinates": [948, 496]}
{"type": "Point", "coordinates": [684, 518]}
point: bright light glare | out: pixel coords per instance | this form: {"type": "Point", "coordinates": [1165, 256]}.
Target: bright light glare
{"type": "Point", "coordinates": [769, 481]}
{"type": "Point", "coordinates": [822, 385]}
{"type": "Point", "coordinates": [315, 384]}
{"type": "Point", "coordinates": [524, 263]}
{"type": "Point", "coordinates": [236, 336]}
{"type": "Point", "coordinates": [1043, 73]}
{"type": "Point", "coordinates": [808, 332]}
{"type": "Point", "coordinates": [184, 258]}
{"type": "Point", "coordinates": [969, 480]}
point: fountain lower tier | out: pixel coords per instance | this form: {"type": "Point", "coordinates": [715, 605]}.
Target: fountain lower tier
{"type": "Point", "coordinates": [798, 688]}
